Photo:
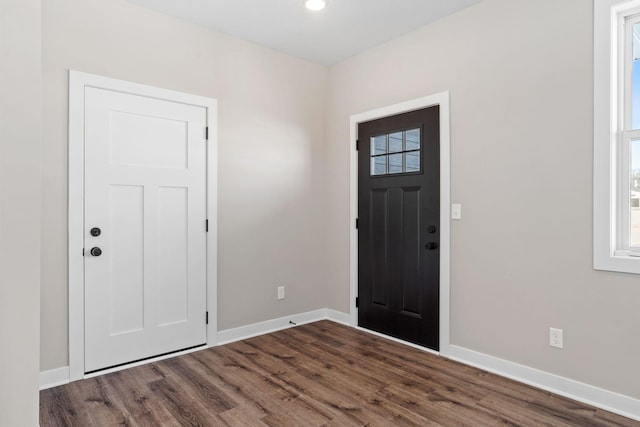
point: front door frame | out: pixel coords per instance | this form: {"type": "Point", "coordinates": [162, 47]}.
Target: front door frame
{"type": "Point", "coordinates": [441, 99]}
{"type": "Point", "coordinates": [77, 83]}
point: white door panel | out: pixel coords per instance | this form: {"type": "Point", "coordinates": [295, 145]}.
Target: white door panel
{"type": "Point", "coordinates": [145, 188]}
{"type": "Point", "coordinates": [126, 259]}
{"type": "Point", "coordinates": [134, 133]}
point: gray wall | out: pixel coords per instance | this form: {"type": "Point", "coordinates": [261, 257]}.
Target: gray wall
{"type": "Point", "coordinates": [20, 127]}
{"type": "Point", "coordinates": [271, 132]}
{"type": "Point", "coordinates": [520, 76]}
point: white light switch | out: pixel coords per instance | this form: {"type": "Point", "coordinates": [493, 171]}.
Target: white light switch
{"type": "Point", "coordinates": [456, 211]}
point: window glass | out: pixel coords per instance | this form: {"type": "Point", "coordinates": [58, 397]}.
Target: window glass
{"type": "Point", "coordinates": [413, 139]}
{"type": "Point", "coordinates": [379, 144]}
{"type": "Point", "coordinates": [395, 163]}
{"type": "Point", "coordinates": [635, 78]}
{"type": "Point", "coordinates": [413, 161]}
{"type": "Point", "coordinates": [630, 153]}
{"type": "Point", "coordinates": [634, 205]}
{"type": "Point", "coordinates": [379, 165]}
{"type": "Point", "coordinates": [395, 142]}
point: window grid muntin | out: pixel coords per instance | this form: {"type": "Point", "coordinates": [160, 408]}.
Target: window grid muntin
{"type": "Point", "coordinates": [376, 156]}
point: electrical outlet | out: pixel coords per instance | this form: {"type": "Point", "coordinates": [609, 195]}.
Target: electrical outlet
{"type": "Point", "coordinates": [555, 338]}
{"type": "Point", "coordinates": [280, 292]}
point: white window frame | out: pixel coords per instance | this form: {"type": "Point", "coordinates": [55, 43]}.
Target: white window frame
{"type": "Point", "coordinates": [611, 147]}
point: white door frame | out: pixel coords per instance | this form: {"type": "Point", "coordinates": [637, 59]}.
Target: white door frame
{"type": "Point", "coordinates": [441, 99]}
{"type": "Point", "coordinates": [77, 83]}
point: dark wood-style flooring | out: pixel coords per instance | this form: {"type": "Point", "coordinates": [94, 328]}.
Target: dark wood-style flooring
{"type": "Point", "coordinates": [320, 374]}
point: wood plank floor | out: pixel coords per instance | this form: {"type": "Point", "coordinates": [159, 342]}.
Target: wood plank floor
{"type": "Point", "coordinates": [320, 374]}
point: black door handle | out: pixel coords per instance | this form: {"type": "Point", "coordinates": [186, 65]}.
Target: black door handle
{"type": "Point", "coordinates": [95, 231]}
{"type": "Point", "coordinates": [95, 251]}
{"type": "Point", "coordinates": [431, 246]}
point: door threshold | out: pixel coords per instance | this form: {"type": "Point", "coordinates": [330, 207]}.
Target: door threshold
{"type": "Point", "coordinates": [398, 340]}
{"type": "Point", "coordinates": [147, 360]}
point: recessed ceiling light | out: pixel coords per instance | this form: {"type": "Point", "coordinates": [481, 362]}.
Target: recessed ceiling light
{"type": "Point", "coordinates": [315, 4]}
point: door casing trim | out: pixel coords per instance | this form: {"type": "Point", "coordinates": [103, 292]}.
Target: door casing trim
{"type": "Point", "coordinates": [77, 83]}
{"type": "Point", "coordinates": [441, 99]}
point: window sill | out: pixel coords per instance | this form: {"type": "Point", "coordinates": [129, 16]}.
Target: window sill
{"type": "Point", "coordinates": [620, 261]}
{"type": "Point", "coordinates": [624, 254]}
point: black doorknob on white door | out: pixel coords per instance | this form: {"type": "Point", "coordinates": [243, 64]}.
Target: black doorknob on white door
{"type": "Point", "coordinates": [95, 251]}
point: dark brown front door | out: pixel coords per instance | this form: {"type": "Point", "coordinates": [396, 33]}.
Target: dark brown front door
{"type": "Point", "coordinates": [399, 226]}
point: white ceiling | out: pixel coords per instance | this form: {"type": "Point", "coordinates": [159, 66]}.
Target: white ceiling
{"type": "Point", "coordinates": [343, 29]}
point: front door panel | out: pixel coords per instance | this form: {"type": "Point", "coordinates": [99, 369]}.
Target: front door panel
{"type": "Point", "coordinates": [398, 234]}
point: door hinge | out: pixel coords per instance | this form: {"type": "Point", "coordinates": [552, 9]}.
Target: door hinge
{"type": "Point", "coordinates": [357, 302]}
{"type": "Point", "coordinates": [206, 225]}
{"type": "Point", "coordinates": [357, 223]}
{"type": "Point", "coordinates": [206, 133]}
{"type": "Point", "coordinates": [357, 144]}
{"type": "Point", "coordinates": [206, 318]}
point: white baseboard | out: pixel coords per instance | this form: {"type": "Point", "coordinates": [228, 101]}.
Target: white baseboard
{"type": "Point", "coordinates": [591, 395]}
{"type": "Point", "coordinates": [54, 377]}
{"type": "Point", "coordinates": [338, 317]}
{"type": "Point", "coordinates": [243, 332]}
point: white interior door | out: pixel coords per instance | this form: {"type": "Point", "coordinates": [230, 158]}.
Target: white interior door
{"type": "Point", "coordinates": [145, 190]}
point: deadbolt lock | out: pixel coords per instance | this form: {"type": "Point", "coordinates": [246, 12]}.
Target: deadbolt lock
{"type": "Point", "coordinates": [95, 251]}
